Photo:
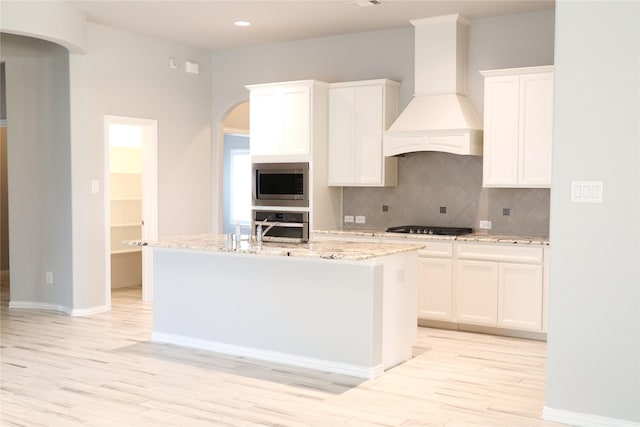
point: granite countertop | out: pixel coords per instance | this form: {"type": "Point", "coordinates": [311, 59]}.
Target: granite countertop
{"type": "Point", "coordinates": [474, 237]}
{"type": "Point", "coordinates": [342, 250]}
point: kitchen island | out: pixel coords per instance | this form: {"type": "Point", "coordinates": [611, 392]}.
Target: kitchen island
{"type": "Point", "coordinates": [343, 307]}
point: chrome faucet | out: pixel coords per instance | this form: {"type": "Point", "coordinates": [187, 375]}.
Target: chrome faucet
{"type": "Point", "coordinates": [260, 233]}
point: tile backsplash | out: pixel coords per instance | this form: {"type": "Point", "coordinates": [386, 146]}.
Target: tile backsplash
{"type": "Point", "coordinates": [430, 183]}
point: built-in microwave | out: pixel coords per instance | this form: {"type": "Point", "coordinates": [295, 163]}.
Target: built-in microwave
{"type": "Point", "coordinates": [281, 184]}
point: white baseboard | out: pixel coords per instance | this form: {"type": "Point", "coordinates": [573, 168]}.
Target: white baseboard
{"type": "Point", "coordinates": [583, 420]}
{"type": "Point", "coordinates": [39, 306]}
{"type": "Point", "coordinates": [271, 356]}
{"type": "Point", "coordinates": [57, 307]}
{"type": "Point", "coordinates": [89, 311]}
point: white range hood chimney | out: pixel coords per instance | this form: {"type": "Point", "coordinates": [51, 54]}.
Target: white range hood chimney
{"type": "Point", "coordinates": [439, 117]}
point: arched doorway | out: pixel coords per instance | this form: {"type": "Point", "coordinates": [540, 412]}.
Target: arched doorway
{"type": "Point", "coordinates": [236, 170]}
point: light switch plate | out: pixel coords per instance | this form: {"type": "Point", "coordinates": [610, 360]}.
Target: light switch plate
{"type": "Point", "coordinates": [95, 187]}
{"type": "Point", "coordinates": [360, 219]}
{"type": "Point", "coordinates": [192, 67]}
{"type": "Point", "coordinates": [485, 225]}
{"type": "Point", "coordinates": [586, 191]}
{"type": "Point", "coordinates": [348, 218]}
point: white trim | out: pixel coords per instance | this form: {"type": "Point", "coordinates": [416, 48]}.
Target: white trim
{"type": "Point", "coordinates": [31, 305]}
{"type": "Point", "coordinates": [89, 311]}
{"type": "Point", "coordinates": [106, 196]}
{"type": "Point", "coordinates": [271, 356]}
{"type": "Point", "coordinates": [583, 420]}
{"type": "Point", "coordinates": [39, 306]}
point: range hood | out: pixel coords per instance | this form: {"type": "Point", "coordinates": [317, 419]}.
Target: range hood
{"type": "Point", "coordinates": [439, 117]}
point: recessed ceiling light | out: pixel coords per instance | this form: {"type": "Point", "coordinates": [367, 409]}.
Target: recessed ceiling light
{"type": "Point", "coordinates": [242, 23]}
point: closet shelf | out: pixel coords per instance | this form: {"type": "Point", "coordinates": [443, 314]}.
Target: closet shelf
{"type": "Point", "coordinates": [135, 224]}
{"type": "Point", "coordinates": [126, 251]}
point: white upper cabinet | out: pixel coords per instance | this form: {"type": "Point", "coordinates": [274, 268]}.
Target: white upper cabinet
{"type": "Point", "coordinates": [280, 118]}
{"type": "Point", "coordinates": [518, 125]}
{"type": "Point", "coordinates": [359, 112]}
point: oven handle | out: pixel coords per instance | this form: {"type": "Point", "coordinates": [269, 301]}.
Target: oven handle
{"type": "Point", "coordinates": [282, 224]}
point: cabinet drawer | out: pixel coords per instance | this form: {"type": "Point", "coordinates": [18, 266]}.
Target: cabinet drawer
{"type": "Point", "coordinates": [436, 249]}
{"type": "Point", "coordinates": [431, 248]}
{"type": "Point", "coordinates": [492, 252]}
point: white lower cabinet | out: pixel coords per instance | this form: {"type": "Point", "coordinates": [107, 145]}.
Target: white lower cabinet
{"type": "Point", "coordinates": [435, 281]}
{"type": "Point", "coordinates": [484, 284]}
{"type": "Point", "coordinates": [477, 292]}
{"type": "Point", "coordinates": [520, 296]}
{"type": "Point", "coordinates": [500, 286]}
{"type": "Point", "coordinates": [435, 289]}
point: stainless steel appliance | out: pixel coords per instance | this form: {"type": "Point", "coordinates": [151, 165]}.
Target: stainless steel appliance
{"type": "Point", "coordinates": [280, 226]}
{"type": "Point", "coordinates": [425, 229]}
{"type": "Point", "coordinates": [281, 184]}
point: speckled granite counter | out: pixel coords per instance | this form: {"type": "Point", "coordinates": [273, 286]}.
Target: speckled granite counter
{"type": "Point", "coordinates": [476, 237]}
{"type": "Point", "coordinates": [343, 250]}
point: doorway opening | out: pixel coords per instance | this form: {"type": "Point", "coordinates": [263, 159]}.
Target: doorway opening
{"type": "Point", "coordinates": [131, 202]}
{"type": "Point", "coordinates": [236, 188]}
{"type": "Point", "coordinates": [237, 183]}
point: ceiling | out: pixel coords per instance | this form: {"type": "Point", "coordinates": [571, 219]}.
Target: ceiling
{"type": "Point", "coordinates": [209, 23]}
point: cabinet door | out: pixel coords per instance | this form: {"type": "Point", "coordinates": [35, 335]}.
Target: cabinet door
{"type": "Point", "coordinates": [342, 115]}
{"type": "Point", "coordinates": [477, 292]}
{"type": "Point", "coordinates": [368, 134]}
{"type": "Point", "coordinates": [280, 120]}
{"type": "Point", "coordinates": [500, 147]}
{"type": "Point", "coordinates": [435, 289]}
{"type": "Point", "coordinates": [520, 296]}
{"type": "Point", "coordinates": [265, 121]}
{"type": "Point", "coordinates": [536, 127]}
{"type": "Point", "coordinates": [295, 121]}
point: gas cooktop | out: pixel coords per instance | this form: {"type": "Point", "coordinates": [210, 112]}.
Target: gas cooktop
{"type": "Point", "coordinates": [425, 229]}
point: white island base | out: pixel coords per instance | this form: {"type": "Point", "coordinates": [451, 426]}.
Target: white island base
{"type": "Point", "coordinates": [353, 317]}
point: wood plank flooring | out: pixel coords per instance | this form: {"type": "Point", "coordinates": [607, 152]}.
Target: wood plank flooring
{"type": "Point", "coordinates": [101, 370]}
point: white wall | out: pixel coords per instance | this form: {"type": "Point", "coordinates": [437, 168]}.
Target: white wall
{"type": "Point", "coordinates": [507, 41]}
{"type": "Point", "coordinates": [120, 73]}
{"type": "Point", "coordinates": [127, 74]}
{"type": "Point", "coordinates": [39, 172]}
{"type": "Point", "coordinates": [56, 22]}
{"type": "Point", "coordinates": [594, 303]}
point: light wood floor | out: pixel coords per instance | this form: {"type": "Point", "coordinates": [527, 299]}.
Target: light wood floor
{"type": "Point", "coordinates": [102, 370]}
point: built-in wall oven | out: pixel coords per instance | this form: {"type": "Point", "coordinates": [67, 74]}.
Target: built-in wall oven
{"type": "Point", "coordinates": [281, 184]}
{"type": "Point", "coordinates": [280, 226]}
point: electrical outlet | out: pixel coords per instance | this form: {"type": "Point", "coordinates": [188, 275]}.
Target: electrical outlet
{"type": "Point", "coordinates": [49, 277]}
{"type": "Point", "coordinates": [348, 218]}
{"type": "Point", "coordinates": [360, 219]}
{"type": "Point", "coordinates": [485, 225]}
